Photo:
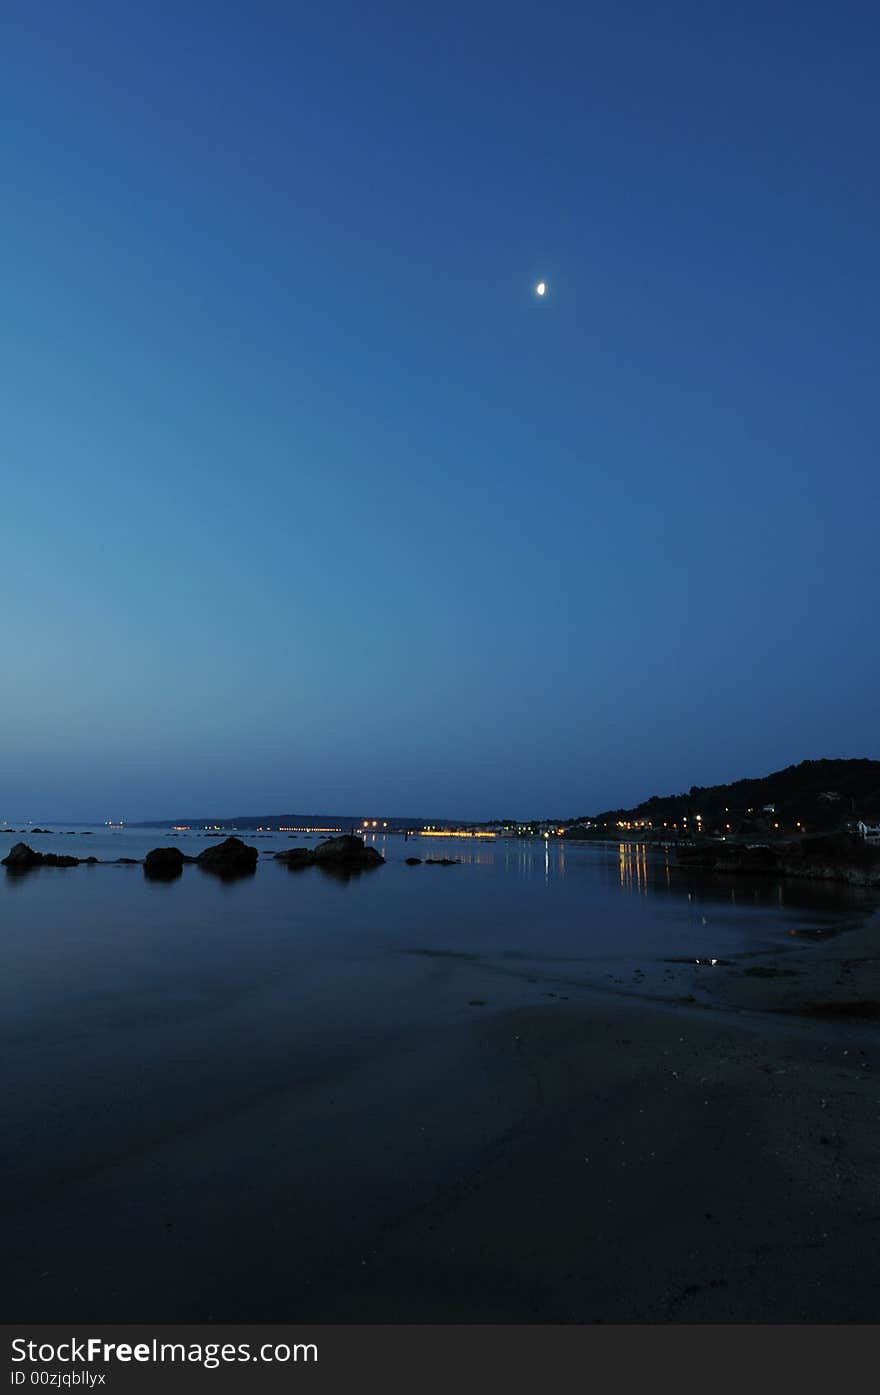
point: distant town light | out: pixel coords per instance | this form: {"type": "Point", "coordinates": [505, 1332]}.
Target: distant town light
{"type": "Point", "coordinates": [456, 833]}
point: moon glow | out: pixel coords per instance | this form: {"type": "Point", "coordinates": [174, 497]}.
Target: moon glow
{"type": "Point", "coordinates": [541, 288]}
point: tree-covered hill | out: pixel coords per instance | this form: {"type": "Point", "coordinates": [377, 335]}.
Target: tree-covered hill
{"type": "Point", "coordinates": [817, 794]}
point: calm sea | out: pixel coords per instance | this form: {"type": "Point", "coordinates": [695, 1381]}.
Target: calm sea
{"type": "Point", "coordinates": [149, 1030]}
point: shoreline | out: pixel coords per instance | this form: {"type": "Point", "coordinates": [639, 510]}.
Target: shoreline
{"type": "Point", "coordinates": [617, 1152]}
{"type": "Point", "coordinates": [709, 1161]}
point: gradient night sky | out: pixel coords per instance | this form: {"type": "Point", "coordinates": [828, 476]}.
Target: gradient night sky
{"type": "Point", "coordinates": [309, 503]}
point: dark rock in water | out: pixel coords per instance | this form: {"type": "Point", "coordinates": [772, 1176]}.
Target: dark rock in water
{"type": "Point", "coordinates": [128, 861]}
{"type": "Point", "coordinates": [822, 857]}
{"type": "Point", "coordinates": [442, 861]}
{"type": "Point", "coordinates": [21, 858]}
{"type": "Point", "coordinates": [230, 859]}
{"type": "Point", "coordinates": [348, 852]}
{"type": "Point", "coordinates": [162, 864]}
{"type": "Point", "coordinates": [87, 860]}
{"type": "Point", "coordinates": [296, 858]}
{"type": "Point", "coordinates": [413, 861]}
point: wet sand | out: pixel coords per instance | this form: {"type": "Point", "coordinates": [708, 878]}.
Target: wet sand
{"type": "Point", "coordinates": [691, 1144]}
{"type": "Point", "coordinates": [673, 1166]}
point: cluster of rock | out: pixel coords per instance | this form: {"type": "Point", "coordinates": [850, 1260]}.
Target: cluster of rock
{"type": "Point", "coordinates": [346, 853]}
{"type": "Point", "coordinates": [433, 861]}
{"type": "Point", "coordinates": [233, 858]}
{"type": "Point", "coordinates": [837, 857]}
{"type": "Point", "coordinates": [22, 858]}
{"type": "Point", "coordinates": [230, 859]}
{"type": "Point", "coordinates": [27, 830]}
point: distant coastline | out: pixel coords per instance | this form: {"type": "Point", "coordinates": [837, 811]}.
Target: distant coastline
{"type": "Point", "coordinates": [827, 796]}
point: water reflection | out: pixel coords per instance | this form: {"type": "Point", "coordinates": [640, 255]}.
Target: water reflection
{"type": "Point", "coordinates": [633, 867]}
{"type": "Point", "coordinates": [340, 873]}
{"type": "Point", "coordinates": [505, 874]}
{"type": "Point", "coordinates": [163, 873]}
{"type": "Point", "coordinates": [228, 875]}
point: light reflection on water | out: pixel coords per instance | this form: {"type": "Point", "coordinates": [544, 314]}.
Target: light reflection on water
{"type": "Point", "coordinates": [633, 863]}
{"type": "Point", "coordinates": [524, 894]}
{"type": "Point", "coordinates": [134, 1014]}
{"type": "Point", "coordinates": [104, 974]}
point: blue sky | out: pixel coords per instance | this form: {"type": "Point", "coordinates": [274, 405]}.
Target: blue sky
{"type": "Point", "coordinates": [309, 502]}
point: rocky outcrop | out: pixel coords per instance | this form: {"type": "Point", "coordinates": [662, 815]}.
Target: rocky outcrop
{"type": "Point", "coordinates": [230, 859]}
{"type": "Point", "coordinates": [348, 852]}
{"type": "Point", "coordinates": [296, 858]}
{"type": "Point", "coordinates": [413, 861]}
{"type": "Point", "coordinates": [441, 861]}
{"type": "Point", "coordinates": [838, 857]}
{"type": "Point", "coordinates": [163, 864]}
{"type": "Point", "coordinates": [21, 858]}
{"type": "Point", "coordinates": [344, 854]}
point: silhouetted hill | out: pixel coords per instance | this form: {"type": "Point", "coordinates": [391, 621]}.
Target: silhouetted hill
{"type": "Point", "coordinates": [819, 794]}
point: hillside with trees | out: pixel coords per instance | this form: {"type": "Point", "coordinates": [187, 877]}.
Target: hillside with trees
{"type": "Point", "coordinates": [815, 796]}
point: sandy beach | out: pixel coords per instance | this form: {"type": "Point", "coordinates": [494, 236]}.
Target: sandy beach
{"type": "Point", "coordinates": [700, 1143]}
{"type": "Point", "coordinates": [708, 1160]}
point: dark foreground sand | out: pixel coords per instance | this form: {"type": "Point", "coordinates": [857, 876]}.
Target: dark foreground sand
{"type": "Point", "coordinates": [672, 1167]}
{"type": "Point", "coordinates": [704, 1150]}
